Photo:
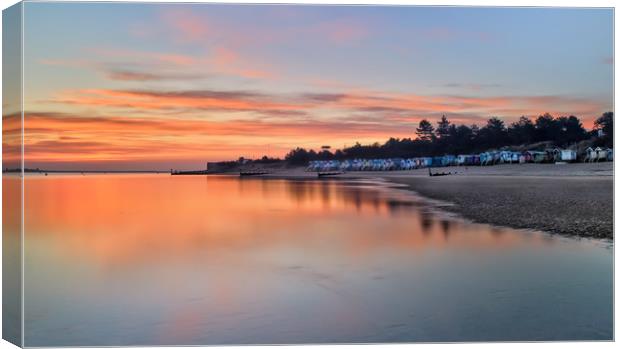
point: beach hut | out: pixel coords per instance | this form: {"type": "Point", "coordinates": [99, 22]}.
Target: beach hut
{"type": "Point", "coordinates": [511, 157]}
{"type": "Point", "coordinates": [556, 155]}
{"type": "Point", "coordinates": [489, 158]}
{"type": "Point", "coordinates": [564, 155]}
{"type": "Point", "coordinates": [437, 161]}
{"type": "Point", "coordinates": [345, 165]}
{"type": "Point", "coordinates": [475, 159]}
{"type": "Point", "coordinates": [538, 156]}
{"type": "Point", "coordinates": [465, 160]}
{"type": "Point", "coordinates": [601, 154]}
{"type": "Point", "coordinates": [590, 155]}
{"type": "Point", "coordinates": [315, 165]}
{"type": "Point", "coordinates": [387, 165]}
{"type": "Point", "coordinates": [406, 164]}
{"type": "Point", "coordinates": [505, 157]}
{"type": "Point", "coordinates": [376, 164]}
{"type": "Point", "coordinates": [496, 156]}
{"type": "Point", "coordinates": [310, 166]}
{"type": "Point", "coordinates": [449, 160]}
{"type": "Point", "coordinates": [486, 158]}
{"type": "Point", "coordinates": [515, 157]}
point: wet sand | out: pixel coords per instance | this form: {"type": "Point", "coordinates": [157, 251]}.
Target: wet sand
{"type": "Point", "coordinates": [578, 205]}
{"type": "Point", "coordinates": [570, 199]}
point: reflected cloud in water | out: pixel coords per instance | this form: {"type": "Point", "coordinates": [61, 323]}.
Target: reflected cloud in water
{"type": "Point", "coordinates": [217, 260]}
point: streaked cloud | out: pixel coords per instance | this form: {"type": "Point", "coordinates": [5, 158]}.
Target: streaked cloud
{"type": "Point", "coordinates": [186, 83]}
{"type": "Point", "coordinates": [128, 75]}
{"type": "Point", "coordinates": [308, 103]}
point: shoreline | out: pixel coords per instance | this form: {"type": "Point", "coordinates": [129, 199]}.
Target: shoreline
{"type": "Point", "coordinates": [571, 200]}
{"type": "Point", "coordinates": [538, 203]}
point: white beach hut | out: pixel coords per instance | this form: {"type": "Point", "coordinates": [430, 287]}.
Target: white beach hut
{"type": "Point", "coordinates": [601, 154]}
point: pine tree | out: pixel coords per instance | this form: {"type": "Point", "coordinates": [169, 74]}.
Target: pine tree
{"type": "Point", "coordinates": [425, 130]}
{"type": "Point", "coordinates": [443, 127]}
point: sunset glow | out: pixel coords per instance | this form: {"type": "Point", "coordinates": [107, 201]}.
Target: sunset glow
{"type": "Point", "coordinates": [148, 86]}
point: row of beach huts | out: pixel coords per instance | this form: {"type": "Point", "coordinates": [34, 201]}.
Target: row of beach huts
{"type": "Point", "coordinates": [556, 155]}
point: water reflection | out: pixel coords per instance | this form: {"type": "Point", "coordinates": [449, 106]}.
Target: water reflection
{"type": "Point", "coordinates": [139, 259]}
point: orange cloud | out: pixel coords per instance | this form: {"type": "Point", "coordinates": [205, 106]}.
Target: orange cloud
{"type": "Point", "coordinates": [67, 138]}
{"type": "Point", "coordinates": [153, 100]}
{"type": "Point", "coordinates": [150, 126]}
{"type": "Point", "coordinates": [380, 104]}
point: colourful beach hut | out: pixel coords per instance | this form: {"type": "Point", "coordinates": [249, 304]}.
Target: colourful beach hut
{"type": "Point", "coordinates": [538, 156]}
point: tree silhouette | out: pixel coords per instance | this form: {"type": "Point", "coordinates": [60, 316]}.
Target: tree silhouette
{"type": "Point", "coordinates": [522, 131]}
{"type": "Point", "coordinates": [425, 130]}
{"type": "Point", "coordinates": [443, 127]}
{"type": "Point", "coordinates": [462, 139]}
{"type": "Point", "coordinates": [605, 123]}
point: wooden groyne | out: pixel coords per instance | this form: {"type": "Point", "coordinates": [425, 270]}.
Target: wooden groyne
{"type": "Point", "coordinates": [186, 173]}
{"type": "Point", "coordinates": [252, 173]}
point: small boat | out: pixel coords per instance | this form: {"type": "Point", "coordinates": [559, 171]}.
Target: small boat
{"type": "Point", "coordinates": [437, 174]}
{"type": "Point", "coordinates": [327, 174]}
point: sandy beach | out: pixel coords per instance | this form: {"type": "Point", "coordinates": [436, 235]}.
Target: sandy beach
{"type": "Point", "coordinates": [571, 199]}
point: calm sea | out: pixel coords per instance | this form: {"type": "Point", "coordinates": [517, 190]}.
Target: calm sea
{"type": "Point", "coordinates": [160, 259]}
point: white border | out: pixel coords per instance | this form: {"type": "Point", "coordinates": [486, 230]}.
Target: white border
{"type": "Point", "coordinates": [483, 3]}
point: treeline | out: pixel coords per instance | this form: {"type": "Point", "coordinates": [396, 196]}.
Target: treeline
{"type": "Point", "coordinates": [448, 138]}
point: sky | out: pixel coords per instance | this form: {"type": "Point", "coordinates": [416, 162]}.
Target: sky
{"type": "Point", "coordinates": [160, 86]}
